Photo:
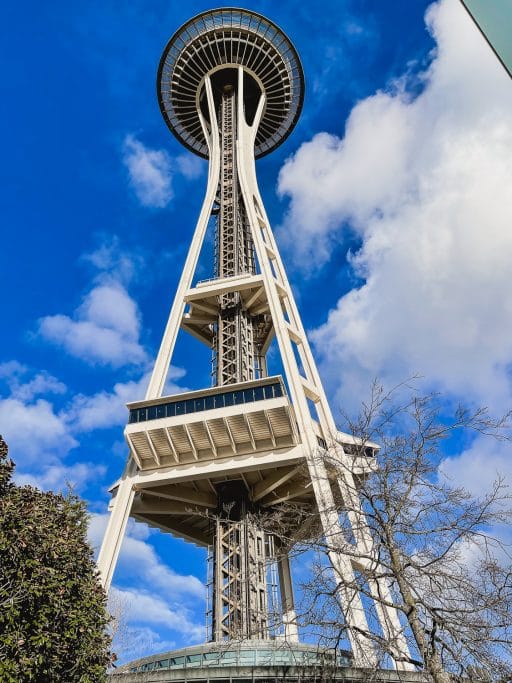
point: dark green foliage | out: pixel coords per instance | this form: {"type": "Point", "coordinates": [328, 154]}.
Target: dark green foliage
{"type": "Point", "coordinates": [53, 616]}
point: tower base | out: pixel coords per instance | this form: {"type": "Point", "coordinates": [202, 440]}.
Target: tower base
{"type": "Point", "coordinates": [255, 661]}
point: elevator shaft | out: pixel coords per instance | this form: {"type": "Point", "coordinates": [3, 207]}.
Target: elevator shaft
{"type": "Point", "coordinates": [234, 343]}
{"type": "Point", "coordinates": [239, 585]}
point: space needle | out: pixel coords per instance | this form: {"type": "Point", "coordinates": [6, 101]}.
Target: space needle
{"type": "Point", "coordinates": [210, 465]}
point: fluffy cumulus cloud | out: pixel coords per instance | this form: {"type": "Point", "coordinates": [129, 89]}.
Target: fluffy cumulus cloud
{"type": "Point", "coordinates": [424, 181]}
{"type": "Point", "coordinates": [59, 477]}
{"type": "Point", "coordinates": [34, 431]}
{"type": "Point", "coordinates": [478, 467]}
{"type": "Point", "coordinates": [38, 434]}
{"type": "Point", "coordinates": [121, 265]}
{"type": "Point", "coordinates": [14, 374]}
{"type": "Point", "coordinates": [146, 608]}
{"type": "Point", "coordinates": [108, 408]}
{"type": "Point", "coordinates": [104, 329]}
{"type": "Point", "coordinates": [150, 172]}
{"type": "Point", "coordinates": [164, 605]}
{"type": "Point", "coordinates": [150, 568]}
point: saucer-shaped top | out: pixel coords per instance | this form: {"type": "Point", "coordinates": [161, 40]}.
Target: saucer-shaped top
{"type": "Point", "coordinates": [226, 38]}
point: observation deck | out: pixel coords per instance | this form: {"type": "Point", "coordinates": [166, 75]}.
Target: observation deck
{"type": "Point", "coordinates": [211, 423]}
{"type": "Point", "coordinates": [225, 39]}
{"type": "Point", "coordinates": [201, 440]}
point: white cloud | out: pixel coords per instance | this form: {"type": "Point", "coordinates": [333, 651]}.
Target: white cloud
{"type": "Point", "coordinates": [135, 552]}
{"type": "Point", "coordinates": [107, 409]}
{"type": "Point", "coordinates": [34, 432]}
{"type": "Point", "coordinates": [104, 329]}
{"type": "Point", "coordinates": [149, 172]}
{"type": "Point", "coordinates": [479, 466]}
{"type": "Point", "coordinates": [42, 383]}
{"type": "Point", "coordinates": [146, 608]}
{"type": "Point", "coordinates": [58, 477]}
{"type": "Point", "coordinates": [425, 183]}
{"type": "Point", "coordinates": [110, 258]}
{"type": "Point", "coordinates": [39, 438]}
{"type": "Point", "coordinates": [173, 598]}
{"type": "Point", "coordinates": [189, 165]}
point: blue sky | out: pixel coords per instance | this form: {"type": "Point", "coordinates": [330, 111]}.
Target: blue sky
{"type": "Point", "coordinates": [391, 202]}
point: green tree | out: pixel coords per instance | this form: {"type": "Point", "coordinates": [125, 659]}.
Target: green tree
{"type": "Point", "coordinates": [53, 618]}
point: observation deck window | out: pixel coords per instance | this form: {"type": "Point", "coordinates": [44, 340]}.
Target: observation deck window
{"type": "Point", "coordinates": [221, 399]}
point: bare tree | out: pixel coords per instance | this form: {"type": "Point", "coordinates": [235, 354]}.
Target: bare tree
{"type": "Point", "coordinates": [434, 544]}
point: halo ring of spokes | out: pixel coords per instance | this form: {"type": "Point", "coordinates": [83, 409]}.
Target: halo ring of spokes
{"type": "Point", "coordinates": [230, 37]}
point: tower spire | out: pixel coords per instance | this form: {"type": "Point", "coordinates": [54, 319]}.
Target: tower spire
{"type": "Point", "coordinates": [205, 464]}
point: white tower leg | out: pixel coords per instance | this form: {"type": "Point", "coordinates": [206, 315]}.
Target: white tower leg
{"type": "Point", "coordinates": [115, 531]}
{"type": "Point", "coordinates": [291, 631]}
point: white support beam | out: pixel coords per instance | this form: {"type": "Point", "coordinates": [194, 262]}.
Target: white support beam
{"type": "Point", "coordinates": [273, 481]}
{"type": "Point", "coordinates": [218, 287]}
{"type": "Point", "coordinates": [191, 441]}
{"type": "Point", "coordinates": [185, 494]}
{"type": "Point", "coordinates": [133, 451]}
{"type": "Point", "coordinates": [248, 426]}
{"type": "Point", "coordinates": [171, 444]}
{"type": "Point", "coordinates": [207, 308]}
{"type": "Point", "coordinates": [272, 435]}
{"type": "Point", "coordinates": [281, 495]}
{"type": "Point", "coordinates": [189, 319]}
{"type": "Point", "coordinates": [197, 333]}
{"type": "Point", "coordinates": [230, 434]}
{"type": "Point", "coordinates": [154, 506]}
{"type": "Point", "coordinates": [210, 438]}
{"type": "Point", "coordinates": [310, 390]}
{"type": "Point", "coordinates": [152, 449]}
{"type": "Point", "coordinates": [295, 335]}
{"type": "Point", "coordinates": [254, 297]}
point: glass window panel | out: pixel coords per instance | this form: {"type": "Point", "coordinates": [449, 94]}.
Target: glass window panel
{"type": "Point", "coordinates": [247, 656]}
{"type": "Point", "coordinates": [258, 394]}
{"type": "Point", "coordinates": [180, 407]}
{"type": "Point", "coordinates": [248, 395]}
{"type": "Point", "coordinates": [198, 404]}
{"type": "Point", "coordinates": [219, 401]}
{"type": "Point", "coordinates": [151, 412]}
{"type": "Point", "coordinates": [132, 416]}
{"type": "Point", "coordinates": [177, 661]}
{"type": "Point", "coordinates": [228, 399]}
{"type": "Point", "coordinates": [160, 411]}
{"type": "Point", "coordinates": [170, 409]}
{"type": "Point", "coordinates": [211, 655]}
{"type": "Point", "coordinates": [268, 391]}
{"type": "Point", "coordinates": [228, 655]}
{"type": "Point", "coordinates": [209, 402]}
{"type": "Point", "coordinates": [278, 390]}
{"type": "Point", "coordinates": [142, 414]}
{"type": "Point", "coordinates": [239, 397]}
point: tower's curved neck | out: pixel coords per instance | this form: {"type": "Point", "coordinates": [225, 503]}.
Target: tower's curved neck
{"type": "Point", "coordinates": [237, 355]}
